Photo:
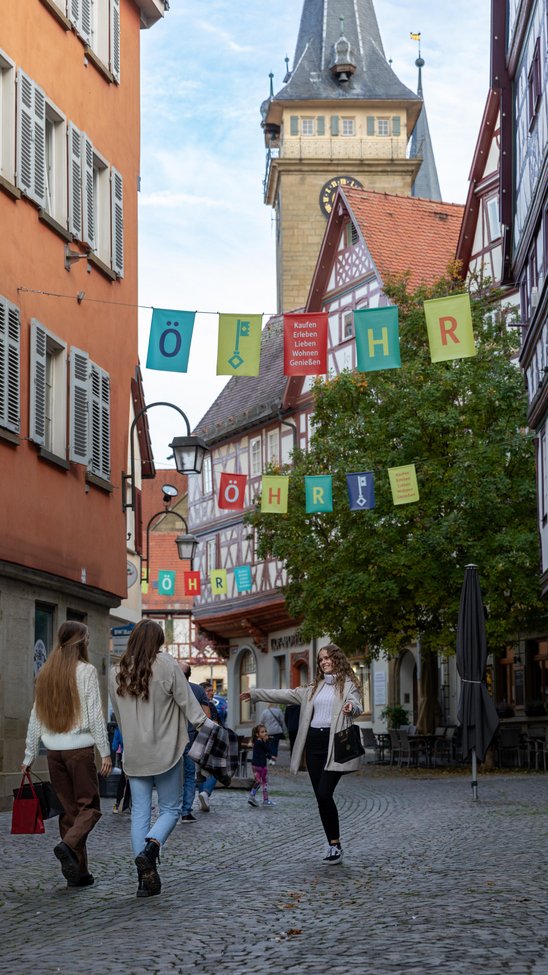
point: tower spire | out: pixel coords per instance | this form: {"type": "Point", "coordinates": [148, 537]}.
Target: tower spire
{"type": "Point", "coordinates": [426, 183]}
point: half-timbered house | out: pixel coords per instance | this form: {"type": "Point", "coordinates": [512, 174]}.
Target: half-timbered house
{"type": "Point", "coordinates": [258, 420]}
{"type": "Point", "coordinates": [519, 77]}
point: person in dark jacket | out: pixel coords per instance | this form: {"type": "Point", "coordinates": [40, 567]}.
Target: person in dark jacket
{"type": "Point", "coordinates": [259, 761]}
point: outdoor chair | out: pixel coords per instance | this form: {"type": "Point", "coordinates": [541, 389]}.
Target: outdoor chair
{"type": "Point", "coordinates": [537, 748]}
{"type": "Point", "coordinates": [442, 747]}
{"type": "Point", "coordinates": [244, 747]}
{"type": "Point", "coordinates": [410, 748]}
{"type": "Point", "coordinates": [370, 741]}
{"type": "Point", "coordinates": [395, 746]}
{"type": "Point", "coordinates": [510, 747]}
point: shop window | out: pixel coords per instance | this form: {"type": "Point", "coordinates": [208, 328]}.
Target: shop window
{"type": "Point", "coordinates": [44, 618]}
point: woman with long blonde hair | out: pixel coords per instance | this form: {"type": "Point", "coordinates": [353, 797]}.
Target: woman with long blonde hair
{"type": "Point", "coordinates": [68, 717]}
{"type": "Point", "coordinates": [153, 704]}
{"type": "Point", "coordinates": [326, 705]}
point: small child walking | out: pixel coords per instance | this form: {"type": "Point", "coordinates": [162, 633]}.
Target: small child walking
{"type": "Point", "coordinates": [261, 754]}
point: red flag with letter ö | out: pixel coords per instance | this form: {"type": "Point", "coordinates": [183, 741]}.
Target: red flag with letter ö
{"type": "Point", "coordinates": [232, 491]}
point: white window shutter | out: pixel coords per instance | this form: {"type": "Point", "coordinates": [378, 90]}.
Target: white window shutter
{"type": "Point", "coordinates": [74, 11]}
{"type": "Point", "coordinates": [117, 204]}
{"type": "Point", "coordinates": [75, 181]}
{"type": "Point", "coordinates": [115, 38]}
{"type": "Point", "coordinates": [31, 139]}
{"type": "Point", "coordinates": [88, 233]}
{"type": "Point", "coordinates": [85, 20]}
{"type": "Point", "coordinates": [10, 354]}
{"type": "Point", "coordinates": [79, 12]}
{"type": "Point", "coordinates": [79, 406]}
{"type": "Point", "coordinates": [39, 111]}
{"type": "Point", "coordinates": [38, 350]}
{"type": "Point", "coordinates": [25, 127]}
{"type": "Point", "coordinates": [100, 421]}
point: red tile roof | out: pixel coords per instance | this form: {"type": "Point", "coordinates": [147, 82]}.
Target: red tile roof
{"type": "Point", "coordinates": [406, 233]}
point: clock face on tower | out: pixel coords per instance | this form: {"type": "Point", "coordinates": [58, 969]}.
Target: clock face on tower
{"type": "Point", "coordinates": [328, 190]}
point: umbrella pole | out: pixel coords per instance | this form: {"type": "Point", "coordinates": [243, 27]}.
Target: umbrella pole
{"type": "Point", "coordinates": [474, 782]}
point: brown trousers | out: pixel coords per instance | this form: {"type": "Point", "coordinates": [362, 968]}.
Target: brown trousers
{"type": "Point", "coordinates": [74, 777]}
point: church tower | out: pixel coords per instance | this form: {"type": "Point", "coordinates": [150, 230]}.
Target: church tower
{"type": "Point", "coordinates": [342, 117]}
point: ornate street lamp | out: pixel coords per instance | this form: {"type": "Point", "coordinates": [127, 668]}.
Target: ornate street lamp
{"type": "Point", "coordinates": [186, 544]}
{"type": "Point", "coordinates": [188, 453]}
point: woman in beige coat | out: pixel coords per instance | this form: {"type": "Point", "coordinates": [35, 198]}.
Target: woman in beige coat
{"type": "Point", "coordinates": [326, 705]}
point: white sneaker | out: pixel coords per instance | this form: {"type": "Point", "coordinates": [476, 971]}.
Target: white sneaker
{"type": "Point", "coordinates": [334, 855]}
{"type": "Point", "coordinates": [203, 799]}
{"type": "Point", "coordinates": [252, 801]}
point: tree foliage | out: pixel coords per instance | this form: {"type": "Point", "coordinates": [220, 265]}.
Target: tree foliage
{"type": "Point", "coordinates": [377, 580]}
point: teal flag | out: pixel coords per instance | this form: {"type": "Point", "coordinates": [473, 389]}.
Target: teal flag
{"type": "Point", "coordinates": [377, 339]}
{"type": "Point", "coordinates": [242, 575]}
{"type": "Point", "coordinates": [319, 492]}
{"type": "Point", "coordinates": [166, 583]}
{"type": "Point", "coordinates": [170, 338]}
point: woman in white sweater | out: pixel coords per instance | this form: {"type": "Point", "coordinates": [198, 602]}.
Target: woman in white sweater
{"type": "Point", "coordinates": [326, 705]}
{"type": "Point", "coordinates": [67, 716]}
{"type": "Point", "coordinates": [153, 703]}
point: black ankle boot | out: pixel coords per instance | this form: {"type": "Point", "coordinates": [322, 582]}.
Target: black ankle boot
{"type": "Point", "coordinates": [149, 879]}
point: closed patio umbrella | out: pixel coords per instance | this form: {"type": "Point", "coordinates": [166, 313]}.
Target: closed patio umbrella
{"type": "Point", "coordinates": [477, 713]}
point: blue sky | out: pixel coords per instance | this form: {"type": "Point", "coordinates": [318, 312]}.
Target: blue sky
{"type": "Point", "coordinates": [206, 238]}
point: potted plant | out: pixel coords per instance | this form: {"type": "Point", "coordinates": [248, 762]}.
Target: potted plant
{"type": "Point", "coordinates": [395, 715]}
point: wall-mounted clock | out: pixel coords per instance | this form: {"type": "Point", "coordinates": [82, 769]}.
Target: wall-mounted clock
{"type": "Point", "coordinates": [328, 190]}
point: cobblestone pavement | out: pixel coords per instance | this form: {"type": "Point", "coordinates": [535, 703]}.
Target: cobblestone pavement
{"type": "Point", "coordinates": [431, 883]}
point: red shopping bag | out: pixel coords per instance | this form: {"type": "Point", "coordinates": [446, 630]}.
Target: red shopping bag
{"type": "Point", "coordinates": [27, 815]}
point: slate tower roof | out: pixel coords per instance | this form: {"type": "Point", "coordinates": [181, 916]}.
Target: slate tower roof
{"type": "Point", "coordinates": [324, 24]}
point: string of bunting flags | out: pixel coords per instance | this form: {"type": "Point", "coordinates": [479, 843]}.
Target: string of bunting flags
{"type": "Point", "coordinates": [274, 500]}
{"type": "Point", "coordinates": [376, 331]}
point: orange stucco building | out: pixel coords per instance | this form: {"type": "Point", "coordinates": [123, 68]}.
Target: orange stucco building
{"type": "Point", "coordinates": [69, 170]}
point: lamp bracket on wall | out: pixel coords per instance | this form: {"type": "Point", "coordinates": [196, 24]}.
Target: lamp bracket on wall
{"type": "Point", "coordinates": [72, 256]}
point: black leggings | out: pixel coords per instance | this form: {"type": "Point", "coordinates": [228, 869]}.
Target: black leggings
{"type": "Point", "coordinates": [324, 783]}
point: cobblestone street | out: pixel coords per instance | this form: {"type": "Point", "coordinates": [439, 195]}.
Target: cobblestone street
{"type": "Point", "coordinates": [431, 883]}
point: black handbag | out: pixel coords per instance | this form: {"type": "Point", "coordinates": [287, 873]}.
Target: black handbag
{"type": "Point", "coordinates": [347, 744]}
{"type": "Point", "coordinates": [50, 805]}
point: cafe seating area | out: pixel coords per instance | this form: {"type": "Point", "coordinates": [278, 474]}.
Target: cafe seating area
{"type": "Point", "coordinates": [513, 747]}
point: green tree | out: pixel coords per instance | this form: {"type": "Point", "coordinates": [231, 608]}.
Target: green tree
{"type": "Point", "coordinates": [377, 580]}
